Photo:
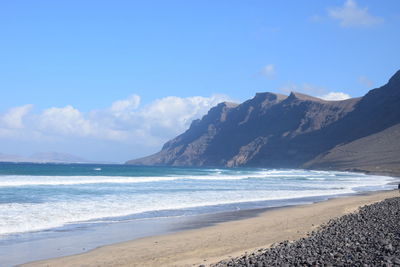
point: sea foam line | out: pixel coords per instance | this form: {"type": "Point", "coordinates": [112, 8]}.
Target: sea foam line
{"type": "Point", "coordinates": [31, 180]}
{"type": "Point", "coordinates": [19, 218]}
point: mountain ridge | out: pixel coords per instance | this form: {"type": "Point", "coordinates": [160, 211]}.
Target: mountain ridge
{"type": "Point", "coordinates": [44, 157]}
{"type": "Point", "coordinates": [295, 131]}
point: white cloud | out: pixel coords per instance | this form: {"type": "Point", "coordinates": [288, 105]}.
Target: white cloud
{"type": "Point", "coordinates": [64, 121]}
{"type": "Point", "coordinates": [13, 118]}
{"type": "Point", "coordinates": [131, 103]}
{"type": "Point", "coordinates": [123, 122]}
{"type": "Point", "coordinates": [364, 80]}
{"type": "Point", "coordinates": [314, 90]}
{"type": "Point", "coordinates": [350, 15]}
{"type": "Point", "coordinates": [173, 114]}
{"type": "Point", "coordinates": [268, 71]}
{"type": "Point", "coordinates": [332, 96]}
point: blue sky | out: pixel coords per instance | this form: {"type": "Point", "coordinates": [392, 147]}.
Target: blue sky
{"type": "Point", "coordinates": [113, 80]}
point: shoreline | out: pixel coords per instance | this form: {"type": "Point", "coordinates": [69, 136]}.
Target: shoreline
{"type": "Point", "coordinates": [78, 238]}
{"type": "Point", "coordinates": [83, 237]}
{"type": "Point", "coordinates": [221, 240]}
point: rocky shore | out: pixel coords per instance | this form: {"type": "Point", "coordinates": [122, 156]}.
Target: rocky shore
{"type": "Point", "coordinates": [370, 237]}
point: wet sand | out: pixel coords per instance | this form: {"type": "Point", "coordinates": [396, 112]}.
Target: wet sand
{"type": "Point", "coordinates": [217, 242]}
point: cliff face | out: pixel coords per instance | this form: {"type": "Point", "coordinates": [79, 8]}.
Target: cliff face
{"type": "Point", "coordinates": [273, 130]}
{"type": "Point", "coordinates": [369, 136]}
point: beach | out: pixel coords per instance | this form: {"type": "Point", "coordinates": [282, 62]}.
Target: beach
{"type": "Point", "coordinates": [200, 133]}
{"type": "Point", "coordinates": [222, 241]}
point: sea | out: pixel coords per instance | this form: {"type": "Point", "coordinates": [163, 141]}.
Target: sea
{"type": "Point", "coordinates": [42, 201]}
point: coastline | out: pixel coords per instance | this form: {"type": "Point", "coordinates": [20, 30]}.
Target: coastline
{"type": "Point", "coordinates": [223, 240]}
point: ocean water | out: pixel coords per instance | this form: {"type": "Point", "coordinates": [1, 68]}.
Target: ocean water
{"type": "Point", "coordinates": [41, 197]}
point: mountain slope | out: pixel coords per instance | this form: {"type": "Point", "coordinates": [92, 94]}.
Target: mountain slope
{"type": "Point", "coordinates": [378, 153]}
{"type": "Point", "coordinates": [273, 130]}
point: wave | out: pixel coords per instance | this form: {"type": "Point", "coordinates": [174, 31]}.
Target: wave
{"type": "Point", "coordinates": [7, 181]}
{"type": "Point", "coordinates": [31, 180]}
{"type": "Point", "coordinates": [29, 209]}
{"type": "Point", "coordinates": [18, 218]}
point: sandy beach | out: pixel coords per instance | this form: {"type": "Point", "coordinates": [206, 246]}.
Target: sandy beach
{"type": "Point", "coordinates": [221, 241]}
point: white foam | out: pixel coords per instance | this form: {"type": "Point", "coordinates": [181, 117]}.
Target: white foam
{"type": "Point", "coordinates": [59, 210]}
{"type": "Point", "coordinates": [30, 180]}
{"type": "Point", "coordinates": [17, 218]}
{"type": "Point", "coordinates": [21, 180]}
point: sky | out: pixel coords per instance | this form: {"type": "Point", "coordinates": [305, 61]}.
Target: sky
{"type": "Point", "coordinates": [114, 80]}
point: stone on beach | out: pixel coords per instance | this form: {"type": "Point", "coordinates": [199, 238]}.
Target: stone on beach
{"type": "Point", "coordinates": [370, 237]}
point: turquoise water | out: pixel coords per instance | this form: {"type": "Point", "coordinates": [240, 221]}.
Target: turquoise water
{"type": "Point", "coordinates": [38, 197]}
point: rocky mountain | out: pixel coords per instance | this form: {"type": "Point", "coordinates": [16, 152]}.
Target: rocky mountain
{"type": "Point", "coordinates": [295, 131]}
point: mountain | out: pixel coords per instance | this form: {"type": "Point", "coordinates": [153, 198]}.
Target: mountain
{"type": "Point", "coordinates": [57, 157]}
{"type": "Point", "coordinates": [44, 157]}
{"type": "Point", "coordinates": [295, 131]}
{"type": "Point", "coordinates": [9, 158]}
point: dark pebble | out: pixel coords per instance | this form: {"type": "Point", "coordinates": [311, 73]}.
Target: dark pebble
{"type": "Point", "coordinates": [370, 237]}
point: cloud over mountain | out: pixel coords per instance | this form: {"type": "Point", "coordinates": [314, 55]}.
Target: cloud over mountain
{"type": "Point", "coordinates": [124, 121]}
{"type": "Point", "coordinates": [333, 96]}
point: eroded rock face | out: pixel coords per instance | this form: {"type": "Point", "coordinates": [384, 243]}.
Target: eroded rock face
{"type": "Point", "coordinates": [273, 130]}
